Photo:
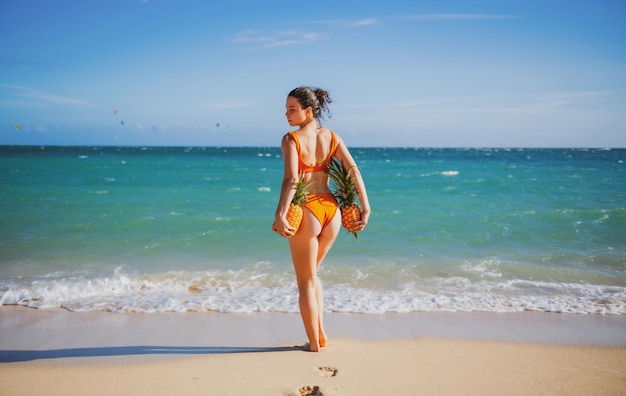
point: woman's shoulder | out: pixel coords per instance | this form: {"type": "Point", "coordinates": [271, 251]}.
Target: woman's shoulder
{"type": "Point", "coordinates": [290, 139]}
{"type": "Point", "coordinates": [332, 136]}
{"type": "Point", "coordinates": [327, 133]}
{"type": "Point", "coordinates": [290, 135]}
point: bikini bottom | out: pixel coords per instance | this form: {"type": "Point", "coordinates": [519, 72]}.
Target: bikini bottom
{"type": "Point", "coordinates": [323, 206]}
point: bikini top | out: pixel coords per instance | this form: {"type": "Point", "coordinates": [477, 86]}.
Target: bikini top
{"type": "Point", "coordinates": [321, 167]}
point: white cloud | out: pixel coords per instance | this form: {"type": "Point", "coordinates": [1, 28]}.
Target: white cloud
{"type": "Point", "coordinates": [552, 103]}
{"type": "Point", "coordinates": [259, 39]}
{"type": "Point", "coordinates": [37, 98]}
{"type": "Point", "coordinates": [579, 94]}
{"type": "Point", "coordinates": [366, 22]}
{"type": "Point", "coordinates": [228, 105]}
{"type": "Point", "coordinates": [265, 40]}
{"type": "Point", "coordinates": [454, 17]}
{"type": "Point", "coordinates": [343, 23]}
{"type": "Point", "coordinates": [372, 21]}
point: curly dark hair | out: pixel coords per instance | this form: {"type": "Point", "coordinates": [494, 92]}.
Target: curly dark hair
{"type": "Point", "coordinates": [316, 98]}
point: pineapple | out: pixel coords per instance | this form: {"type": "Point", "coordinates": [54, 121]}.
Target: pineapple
{"type": "Point", "coordinates": [294, 214]}
{"type": "Point", "coordinates": [346, 194]}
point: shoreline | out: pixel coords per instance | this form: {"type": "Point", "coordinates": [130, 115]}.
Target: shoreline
{"type": "Point", "coordinates": [23, 327]}
{"type": "Point", "coordinates": [99, 353]}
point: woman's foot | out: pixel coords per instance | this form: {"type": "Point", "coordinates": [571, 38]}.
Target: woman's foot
{"type": "Point", "coordinates": [307, 348]}
{"type": "Point", "coordinates": [323, 339]}
{"type": "Point", "coordinates": [323, 342]}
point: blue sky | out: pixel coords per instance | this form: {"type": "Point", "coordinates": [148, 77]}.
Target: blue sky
{"type": "Point", "coordinates": [435, 73]}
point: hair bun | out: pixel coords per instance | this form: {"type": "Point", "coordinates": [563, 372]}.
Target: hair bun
{"type": "Point", "coordinates": [315, 98]}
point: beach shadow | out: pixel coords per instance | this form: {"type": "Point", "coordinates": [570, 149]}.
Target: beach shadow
{"type": "Point", "coordinates": [11, 356]}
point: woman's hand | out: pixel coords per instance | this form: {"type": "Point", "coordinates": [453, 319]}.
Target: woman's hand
{"type": "Point", "coordinates": [282, 228]}
{"type": "Point", "coordinates": [365, 215]}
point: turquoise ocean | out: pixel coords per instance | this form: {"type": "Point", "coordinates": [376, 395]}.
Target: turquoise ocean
{"type": "Point", "coordinates": [188, 229]}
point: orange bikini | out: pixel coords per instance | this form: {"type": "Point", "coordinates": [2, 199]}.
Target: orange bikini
{"type": "Point", "coordinates": [323, 206]}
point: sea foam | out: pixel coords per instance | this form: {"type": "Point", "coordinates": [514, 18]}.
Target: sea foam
{"type": "Point", "coordinates": [255, 290]}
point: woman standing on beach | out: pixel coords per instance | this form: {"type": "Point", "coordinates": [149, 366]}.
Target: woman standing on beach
{"type": "Point", "coordinates": [321, 222]}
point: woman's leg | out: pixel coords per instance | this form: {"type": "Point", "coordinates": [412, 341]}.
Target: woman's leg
{"type": "Point", "coordinates": [325, 242]}
{"type": "Point", "coordinates": [328, 237]}
{"type": "Point", "coordinates": [304, 252]}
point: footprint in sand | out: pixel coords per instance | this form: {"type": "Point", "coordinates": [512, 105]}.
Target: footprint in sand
{"type": "Point", "coordinates": [327, 371]}
{"type": "Point", "coordinates": [310, 391]}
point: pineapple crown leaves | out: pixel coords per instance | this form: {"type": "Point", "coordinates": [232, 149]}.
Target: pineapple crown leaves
{"type": "Point", "coordinates": [342, 183]}
{"type": "Point", "coordinates": [302, 191]}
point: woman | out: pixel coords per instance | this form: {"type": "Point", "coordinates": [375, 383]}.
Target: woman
{"type": "Point", "coordinates": [306, 151]}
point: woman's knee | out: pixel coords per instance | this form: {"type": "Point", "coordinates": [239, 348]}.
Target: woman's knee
{"type": "Point", "coordinates": [306, 284]}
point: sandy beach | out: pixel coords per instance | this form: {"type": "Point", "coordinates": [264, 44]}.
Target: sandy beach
{"type": "Point", "coordinates": [57, 352]}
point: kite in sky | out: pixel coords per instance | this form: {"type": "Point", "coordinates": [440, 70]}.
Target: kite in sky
{"type": "Point", "coordinates": [122, 122]}
{"type": "Point", "coordinates": [17, 126]}
{"type": "Point", "coordinates": [114, 111]}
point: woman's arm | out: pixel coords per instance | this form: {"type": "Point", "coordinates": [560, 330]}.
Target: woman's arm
{"type": "Point", "coordinates": [288, 187]}
{"type": "Point", "coordinates": [343, 154]}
